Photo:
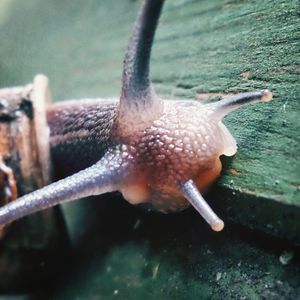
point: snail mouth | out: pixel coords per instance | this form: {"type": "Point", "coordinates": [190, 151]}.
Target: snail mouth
{"type": "Point", "coordinates": [165, 201]}
{"type": "Point", "coordinates": [167, 198]}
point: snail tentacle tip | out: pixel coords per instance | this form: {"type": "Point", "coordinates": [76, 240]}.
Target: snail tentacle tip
{"type": "Point", "coordinates": [266, 95]}
{"type": "Point", "coordinates": [217, 225]}
{"type": "Point", "coordinates": [229, 104]}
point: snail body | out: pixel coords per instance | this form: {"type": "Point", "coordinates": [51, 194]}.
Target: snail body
{"type": "Point", "coordinates": [156, 152]}
{"type": "Point", "coordinates": [175, 147]}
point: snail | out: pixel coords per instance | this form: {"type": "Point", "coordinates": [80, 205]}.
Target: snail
{"type": "Point", "coordinates": [159, 153]}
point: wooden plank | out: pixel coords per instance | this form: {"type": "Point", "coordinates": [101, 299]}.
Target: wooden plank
{"type": "Point", "coordinates": [202, 48]}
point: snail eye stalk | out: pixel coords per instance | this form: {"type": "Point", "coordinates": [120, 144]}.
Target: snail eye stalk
{"type": "Point", "coordinates": [227, 105]}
